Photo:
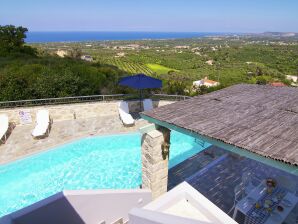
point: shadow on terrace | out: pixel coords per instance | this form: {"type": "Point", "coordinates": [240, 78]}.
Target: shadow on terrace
{"type": "Point", "coordinates": [226, 178]}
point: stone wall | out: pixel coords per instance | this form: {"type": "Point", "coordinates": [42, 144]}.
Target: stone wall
{"type": "Point", "coordinates": [154, 162]}
{"type": "Point", "coordinates": [76, 111]}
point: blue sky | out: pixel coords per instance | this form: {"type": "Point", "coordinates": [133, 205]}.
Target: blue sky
{"type": "Point", "coordinates": [152, 15]}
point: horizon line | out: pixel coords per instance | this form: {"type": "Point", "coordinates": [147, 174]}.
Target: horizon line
{"type": "Point", "coordinates": [150, 31]}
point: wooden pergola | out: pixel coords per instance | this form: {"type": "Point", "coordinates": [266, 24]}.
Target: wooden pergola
{"type": "Point", "coordinates": [259, 122]}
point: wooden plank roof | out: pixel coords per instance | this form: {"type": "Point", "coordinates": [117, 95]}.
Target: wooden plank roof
{"type": "Point", "coordinates": [260, 119]}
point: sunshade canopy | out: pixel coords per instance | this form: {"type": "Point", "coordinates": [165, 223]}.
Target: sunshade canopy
{"type": "Point", "coordinates": [258, 118]}
{"type": "Point", "coordinates": [140, 81]}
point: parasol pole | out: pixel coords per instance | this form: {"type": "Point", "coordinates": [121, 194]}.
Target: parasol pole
{"type": "Point", "coordinates": [140, 100]}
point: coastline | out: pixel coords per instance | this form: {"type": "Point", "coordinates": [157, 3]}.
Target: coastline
{"type": "Point", "coordinates": [85, 36]}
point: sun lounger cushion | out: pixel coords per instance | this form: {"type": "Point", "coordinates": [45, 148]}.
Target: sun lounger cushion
{"type": "Point", "coordinates": [42, 123]}
{"type": "Point", "coordinates": [126, 118]}
{"type": "Point", "coordinates": [148, 105]}
{"type": "Point", "coordinates": [4, 125]}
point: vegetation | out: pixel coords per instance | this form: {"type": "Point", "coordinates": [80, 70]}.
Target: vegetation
{"type": "Point", "coordinates": [12, 41]}
{"type": "Point", "coordinates": [129, 67]}
{"type": "Point", "coordinates": [35, 71]}
{"type": "Point", "coordinates": [242, 59]}
{"type": "Point", "coordinates": [159, 69]}
{"type": "Point", "coordinates": [25, 75]}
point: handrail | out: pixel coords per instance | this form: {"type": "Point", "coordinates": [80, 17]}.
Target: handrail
{"type": "Point", "coordinates": [82, 99]}
{"type": "Point", "coordinates": [59, 98]}
{"type": "Point", "coordinates": [173, 97]}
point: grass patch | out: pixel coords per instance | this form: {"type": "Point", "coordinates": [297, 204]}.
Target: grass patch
{"type": "Point", "coordinates": [159, 69]}
{"type": "Point", "coordinates": [130, 67]}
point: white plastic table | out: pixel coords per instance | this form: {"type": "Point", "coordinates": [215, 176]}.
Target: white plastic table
{"type": "Point", "coordinates": [244, 205]}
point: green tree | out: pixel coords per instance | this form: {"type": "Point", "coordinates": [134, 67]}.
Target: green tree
{"type": "Point", "coordinates": [259, 71]}
{"type": "Point", "coordinates": [12, 40]}
{"type": "Point", "coordinates": [75, 53]}
{"type": "Point", "coordinates": [263, 80]}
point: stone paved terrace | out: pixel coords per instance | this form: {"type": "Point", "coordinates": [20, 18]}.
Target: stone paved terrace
{"type": "Point", "coordinates": [21, 143]}
{"type": "Point", "coordinates": [217, 182]}
{"type": "Point", "coordinates": [70, 122]}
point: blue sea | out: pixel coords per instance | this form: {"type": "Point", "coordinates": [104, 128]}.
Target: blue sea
{"type": "Point", "coordinates": [44, 37]}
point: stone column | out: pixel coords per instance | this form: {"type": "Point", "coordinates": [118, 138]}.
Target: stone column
{"type": "Point", "coordinates": [155, 158]}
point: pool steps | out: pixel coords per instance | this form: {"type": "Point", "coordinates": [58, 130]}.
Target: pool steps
{"type": "Point", "coordinates": [88, 206]}
{"type": "Point", "coordinates": [82, 206]}
{"type": "Point", "coordinates": [118, 221]}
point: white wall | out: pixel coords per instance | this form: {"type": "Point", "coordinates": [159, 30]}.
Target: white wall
{"type": "Point", "coordinates": [80, 207]}
{"type": "Point", "coordinates": [143, 216]}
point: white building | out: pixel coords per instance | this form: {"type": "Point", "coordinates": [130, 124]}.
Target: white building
{"type": "Point", "coordinates": [292, 78]}
{"type": "Point", "coordinates": [120, 55]}
{"type": "Point", "coordinates": [205, 82]}
{"type": "Point", "coordinates": [209, 62]}
{"type": "Point", "coordinates": [182, 47]}
{"type": "Point", "coordinates": [86, 58]}
{"type": "Point", "coordinates": [61, 53]}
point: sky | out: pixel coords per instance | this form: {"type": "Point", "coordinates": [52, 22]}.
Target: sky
{"type": "Point", "coordinates": [152, 15]}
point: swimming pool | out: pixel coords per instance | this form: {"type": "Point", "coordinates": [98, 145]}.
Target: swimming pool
{"type": "Point", "coordinates": [104, 162]}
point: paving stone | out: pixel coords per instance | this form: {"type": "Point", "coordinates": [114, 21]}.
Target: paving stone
{"type": "Point", "coordinates": [20, 143]}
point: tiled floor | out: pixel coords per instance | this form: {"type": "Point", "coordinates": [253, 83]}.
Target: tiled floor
{"type": "Point", "coordinates": [224, 172]}
{"type": "Point", "coordinates": [193, 165]}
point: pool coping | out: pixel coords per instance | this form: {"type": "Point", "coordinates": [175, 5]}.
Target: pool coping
{"type": "Point", "coordinates": [61, 144]}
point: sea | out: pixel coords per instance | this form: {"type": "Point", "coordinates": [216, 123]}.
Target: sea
{"type": "Point", "coordinates": [44, 37]}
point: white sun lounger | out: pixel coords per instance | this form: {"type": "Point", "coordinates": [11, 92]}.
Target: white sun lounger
{"type": "Point", "coordinates": [148, 104]}
{"type": "Point", "coordinates": [42, 124]}
{"type": "Point", "coordinates": [4, 126]}
{"type": "Point", "coordinates": [124, 114]}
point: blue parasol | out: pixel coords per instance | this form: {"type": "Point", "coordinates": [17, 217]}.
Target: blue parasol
{"type": "Point", "coordinates": [140, 82]}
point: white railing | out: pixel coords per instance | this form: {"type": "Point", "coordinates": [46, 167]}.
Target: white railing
{"type": "Point", "coordinates": [62, 100]}
{"type": "Point", "coordinates": [170, 97]}
{"type": "Point", "coordinates": [82, 99]}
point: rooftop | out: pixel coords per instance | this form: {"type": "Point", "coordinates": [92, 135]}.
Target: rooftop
{"type": "Point", "coordinates": [277, 84]}
{"type": "Point", "coordinates": [260, 119]}
{"type": "Point", "coordinates": [210, 81]}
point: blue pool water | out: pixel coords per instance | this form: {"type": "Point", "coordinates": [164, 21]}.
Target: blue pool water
{"type": "Point", "coordinates": [106, 162]}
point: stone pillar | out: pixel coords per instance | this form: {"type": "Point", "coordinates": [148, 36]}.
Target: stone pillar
{"type": "Point", "coordinates": [155, 158]}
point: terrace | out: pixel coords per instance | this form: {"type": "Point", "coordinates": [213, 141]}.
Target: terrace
{"type": "Point", "coordinates": [73, 118]}
{"type": "Point", "coordinates": [252, 130]}
{"type": "Point", "coordinates": [218, 182]}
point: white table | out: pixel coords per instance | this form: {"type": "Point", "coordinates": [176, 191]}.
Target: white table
{"type": "Point", "coordinates": [287, 210]}
{"type": "Point", "coordinates": [244, 205]}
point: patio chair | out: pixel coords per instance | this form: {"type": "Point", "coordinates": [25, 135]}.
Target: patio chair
{"type": "Point", "coordinates": [42, 127]}
{"type": "Point", "coordinates": [124, 115]}
{"type": "Point", "coordinates": [148, 104]}
{"type": "Point", "coordinates": [4, 126]}
{"type": "Point", "coordinates": [248, 180]}
{"type": "Point", "coordinates": [239, 193]}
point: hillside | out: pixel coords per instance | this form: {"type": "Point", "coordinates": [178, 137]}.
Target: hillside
{"type": "Point", "coordinates": [227, 59]}
{"type": "Point", "coordinates": [36, 71]}
{"type": "Point", "coordinates": [27, 74]}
